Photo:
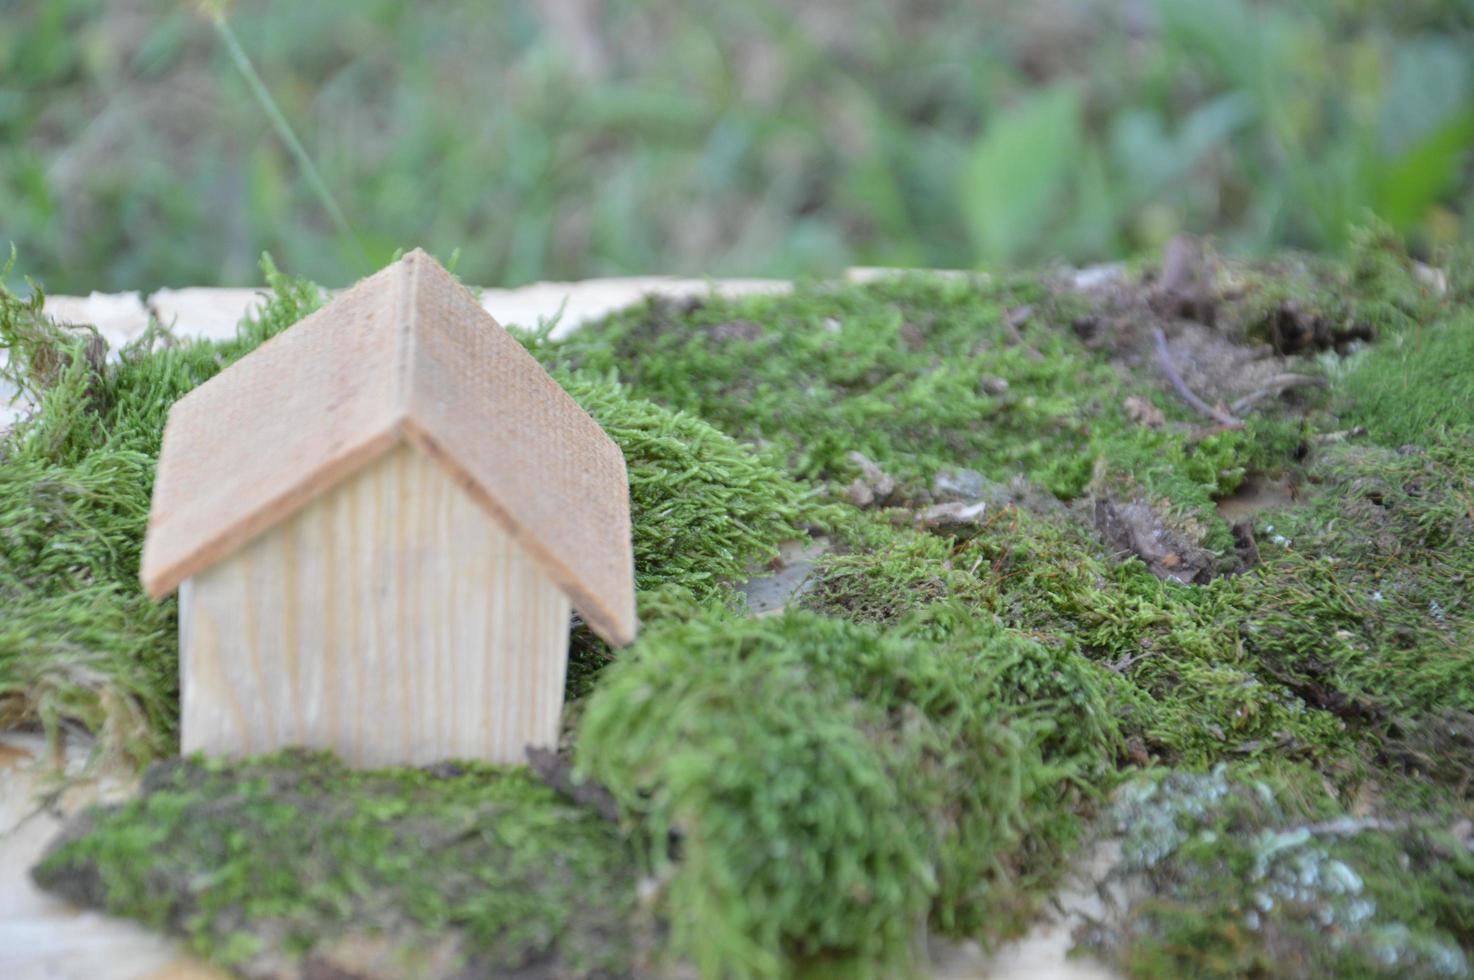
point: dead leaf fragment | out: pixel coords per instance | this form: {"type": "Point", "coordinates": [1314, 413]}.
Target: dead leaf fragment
{"type": "Point", "coordinates": [873, 486]}
{"type": "Point", "coordinates": [953, 515]}
{"type": "Point", "coordinates": [1141, 411]}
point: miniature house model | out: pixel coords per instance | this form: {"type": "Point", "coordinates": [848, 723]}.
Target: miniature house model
{"type": "Point", "coordinates": [378, 522]}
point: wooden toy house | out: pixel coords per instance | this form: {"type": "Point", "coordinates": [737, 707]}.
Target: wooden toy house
{"type": "Point", "coordinates": [377, 523]}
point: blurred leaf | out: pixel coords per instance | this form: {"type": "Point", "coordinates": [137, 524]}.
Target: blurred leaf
{"type": "Point", "coordinates": [1017, 170]}
{"type": "Point", "coordinates": [650, 112]}
{"type": "Point", "coordinates": [870, 182]}
{"type": "Point", "coordinates": [1331, 191]}
{"type": "Point", "coordinates": [1226, 35]}
{"type": "Point", "coordinates": [1415, 181]}
{"type": "Point", "coordinates": [1429, 83]}
{"type": "Point", "coordinates": [267, 185]}
{"type": "Point", "coordinates": [1140, 149]}
{"type": "Point", "coordinates": [162, 46]}
{"type": "Point", "coordinates": [1213, 122]}
{"type": "Point", "coordinates": [1093, 218]}
{"type": "Point", "coordinates": [1149, 159]}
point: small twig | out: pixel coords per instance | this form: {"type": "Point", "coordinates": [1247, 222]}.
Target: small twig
{"type": "Point", "coordinates": [1341, 436]}
{"type": "Point", "coordinates": [1126, 663]}
{"type": "Point", "coordinates": [1350, 826]}
{"type": "Point", "coordinates": [1014, 319]}
{"type": "Point", "coordinates": [1164, 359]}
{"type": "Point", "coordinates": [1198, 435]}
{"type": "Point", "coordinates": [1276, 385]}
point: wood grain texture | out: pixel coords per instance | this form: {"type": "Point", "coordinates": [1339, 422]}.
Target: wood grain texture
{"type": "Point", "coordinates": [390, 620]}
{"type": "Point", "coordinates": [405, 355]}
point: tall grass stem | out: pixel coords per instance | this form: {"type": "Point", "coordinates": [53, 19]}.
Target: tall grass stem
{"type": "Point", "coordinates": [285, 132]}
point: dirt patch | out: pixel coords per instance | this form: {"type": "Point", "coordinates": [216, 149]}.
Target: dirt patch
{"type": "Point", "coordinates": [743, 330]}
{"type": "Point", "coordinates": [1291, 328]}
{"type": "Point", "coordinates": [1184, 319]}
{"type": "Point", "coordinates": [786, 578]}
{"type": "Point", "coordinates": [1256, 494]}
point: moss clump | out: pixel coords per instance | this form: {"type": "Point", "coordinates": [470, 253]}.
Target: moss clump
{"type": "Point", "coordinates": [1240, 874]}
{"type": "Point", "coordinates": [1353, 627]}
{"type": "Point", "coordinates": [705, 508]}
{"type": "Point", "coordinates": [458, 871]}
{"type": "Point", "coordinates": [880, 573]}
{"type": "Point", "coordinates": [1303, 304]}
{"type": "Point", "coordinates": [1167, 655]}
{"type": "Point", "coordinates": [828, 787]}
{"type": "Point", "coordinates": [923, 375]}
{"type": "Point", "coordinates": [1349, 637]}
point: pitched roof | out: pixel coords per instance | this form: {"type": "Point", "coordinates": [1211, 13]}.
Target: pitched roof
{"type": "Point", "coordinates": [405, 355]}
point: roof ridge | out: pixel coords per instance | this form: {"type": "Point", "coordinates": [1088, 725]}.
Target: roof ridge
{"type": "Point", "coordinates": [404, 329]}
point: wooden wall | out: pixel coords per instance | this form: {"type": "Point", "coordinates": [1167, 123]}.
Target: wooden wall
{"type": "Point", "coordinates": [390, 620]}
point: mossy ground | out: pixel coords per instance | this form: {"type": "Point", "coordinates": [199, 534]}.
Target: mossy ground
{"type": "Point", "coordinates": [927, 742]}
{"type": "Point", "coordinates": [467, 870]}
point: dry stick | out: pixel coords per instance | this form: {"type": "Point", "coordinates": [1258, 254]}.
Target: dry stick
{"type": "Point", "coordinates": [1165, 360]}
{"type": "Point", "coordinates": [1277, 384]}
{"type": "Point", "coordinates": [1347, 826]}
{"type": "Point", "coordinates": [1011, 322]}
{"type": "Point", "coordinates": [1354, 432]}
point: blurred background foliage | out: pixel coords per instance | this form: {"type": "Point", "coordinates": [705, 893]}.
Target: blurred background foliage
{"type": "Point", "coordinates": [574, 138]}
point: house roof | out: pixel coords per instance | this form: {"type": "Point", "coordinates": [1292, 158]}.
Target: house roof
{"type": "Point", "coordinates": [406, 355]}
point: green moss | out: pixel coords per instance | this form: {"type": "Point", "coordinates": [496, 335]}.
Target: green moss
{"type": "Point", "coordinates": [706, 509]}
{"type": "Point", "coordinates": [917, 373]}
{"type": "Point", "coordinates": [1364, 611]}
{"type": "Point", "coordinates": [925, 374]}
{"type": "Point", "coordinates": [829, 786]}
{"type": "Point", "coordinates": [879, 573]}
{"type": "Point", "coordinates": [1385, 289]}
{"type": "Point", "coordinates": [461, 868]}
{"type": "Point", "coordinates": [1351, 636]}
{"type": "Point", "coordinates": [1417, 387]}
{"type": "Point", "coordinates": [1167, 655]}
{"type": "Point", "coordinates": [1241, 873]}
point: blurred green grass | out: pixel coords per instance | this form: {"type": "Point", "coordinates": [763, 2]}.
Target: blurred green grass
{"type": "Point", "coordinates": [577, 138]}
